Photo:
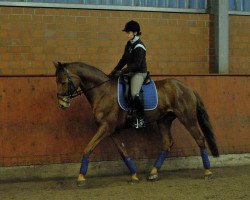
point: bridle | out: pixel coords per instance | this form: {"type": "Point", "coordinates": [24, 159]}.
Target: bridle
{"type": "Point", "coordinates": [72, 90]}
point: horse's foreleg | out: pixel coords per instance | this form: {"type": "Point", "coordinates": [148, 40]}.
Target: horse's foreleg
{"type": "Point", "coordinates": [167, 142]}
{"type": "Point", "coordinates": [127, 160]}
{"type": "Point", "coordinates": [101, 133]}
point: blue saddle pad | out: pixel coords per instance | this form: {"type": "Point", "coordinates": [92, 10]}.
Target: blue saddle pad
{"type": "Point", "coordinates": [149, 94]}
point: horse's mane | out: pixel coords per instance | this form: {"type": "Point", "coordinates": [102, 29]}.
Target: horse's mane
{"type": "Point", "coordinates": [84, 66]}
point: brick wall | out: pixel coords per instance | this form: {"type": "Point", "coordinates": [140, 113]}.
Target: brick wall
{"type": "Point", "coordinates": [177, 43]}
{"type": "Point", "coordinates": [31, 38]}
{"type": "Point", "coordinates": [239, 44]}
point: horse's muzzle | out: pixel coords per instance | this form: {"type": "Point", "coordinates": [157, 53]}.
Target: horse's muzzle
{"type": "Point", "coordinates": [63, 101]}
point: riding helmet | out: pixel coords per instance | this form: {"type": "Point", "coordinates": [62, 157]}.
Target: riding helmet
{"type": "Point", "coordinates": [132, 26]}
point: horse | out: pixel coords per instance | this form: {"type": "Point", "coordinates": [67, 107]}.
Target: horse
{"type": "Point", "coordinates": [175, 101]}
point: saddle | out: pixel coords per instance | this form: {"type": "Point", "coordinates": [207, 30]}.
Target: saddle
{"type": "Point", "coordinates": [148, 93]}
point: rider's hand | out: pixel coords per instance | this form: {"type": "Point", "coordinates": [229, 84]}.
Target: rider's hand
{"type": "Point", "coordinates": [119, 73]}
{"type": "Point", "coordinates": [111, 75]}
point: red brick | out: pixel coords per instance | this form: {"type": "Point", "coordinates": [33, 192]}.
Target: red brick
{"type": "Point", "coordinates": [37, 18]}
{"type": "Point", "coordinates": [3, 34]}
{"type": "Point", "coordinates": [39, 57]}
{"type": "Point", "coordinates": [17, 10]}
{"type": "Point", "coordinates": [73, 12]}
{"type": "Point", "coordinates": [5, 10]}
{"type": "Point", "coordinates": [15, 18]}
{"type": "Point", "coordinates": [7, 57]}
{"type": "Point", "coordinates": [105, 13]}
{"type": "Point", "coordinates": [81, 20]}
{"type": "Point", "coordinates": [48, 19]}
{"type": "Point", "coordinates": [146, 15]}
{"type": "Point", "coordinates": [194, 30]}
{"type": "Point", "coordinates": [37, 49]}
{"type": "Point", "coordinates": [59, 19]}
{"type": "Point", "coordinates": [92, 21]}
{"type": "Point", "coordinates": [83, 12]}
{"type": "Point", "coordinates": [29, 11]}
{"type": "Point", "coordinates": [95, 13]}
{"type": "Point", "coordinates": [4, 19]}
{"type": "Point", "coordinates": [201, 23]}
{"type": "Point", "coordinates": [116, 14]}
{"type": "Point", "coordinates": [70, 20]}
{"type": "Point", "coordinates": [51, 11]}
{"type": "Point", "coordinates": [62, 12]}
{"type": "Point", "coordinates": [26, 18]}
{"type": "Point", "coordinates": [40, 11]}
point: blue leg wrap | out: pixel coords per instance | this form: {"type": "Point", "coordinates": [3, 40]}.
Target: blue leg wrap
{"type": "Point", "coordinates": [84, 165]}
{"type": "Point", "coordinates": [131, 166]}
{"type": "Point", "coordinates": [205, 160]}
{"type": "Point", "coordinates": [158, 163]}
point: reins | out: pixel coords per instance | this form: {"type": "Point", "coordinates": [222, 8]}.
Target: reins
{"type": "Point", "coordinates": [95, 86]}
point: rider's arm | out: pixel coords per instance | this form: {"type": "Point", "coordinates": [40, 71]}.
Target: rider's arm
{"type": "Point", "coordinates": [123, 61]}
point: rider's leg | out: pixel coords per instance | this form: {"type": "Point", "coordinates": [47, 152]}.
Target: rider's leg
{"type": "Point", "coordinates": [126, 86]}
{"type": "Point", "coordinates": [136, 82]}
{"type": "Point", "coordinates": [138, 104]}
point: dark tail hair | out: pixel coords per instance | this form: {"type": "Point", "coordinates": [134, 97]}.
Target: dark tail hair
{"type": "Point", "coordinates": [206, 126]}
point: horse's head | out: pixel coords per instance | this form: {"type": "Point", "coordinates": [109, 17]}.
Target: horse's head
{"type": "Point", "coordinates": [67, 84]}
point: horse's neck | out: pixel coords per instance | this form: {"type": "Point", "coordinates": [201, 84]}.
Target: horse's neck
{"type": "Point", "coordinates": [91, 75]}
{"type": "Point", "coordinates": [92, 82]}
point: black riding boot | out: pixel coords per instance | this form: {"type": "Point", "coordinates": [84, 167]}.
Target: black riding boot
{"type": "Point", "coordinates": [139, 107]}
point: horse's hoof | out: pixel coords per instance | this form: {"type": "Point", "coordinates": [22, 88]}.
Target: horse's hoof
{"type": "Point", "coordinates": [153, 177]}
{"type": "Point", "coordinates": [133, 181]}
{"type": "Point", "coordinates": [81, 183]}
{"type": "Point", "coordinates": [208, 176]}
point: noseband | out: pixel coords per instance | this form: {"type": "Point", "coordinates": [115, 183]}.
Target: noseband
{"type": "Point", "coordinates": [72, 90]}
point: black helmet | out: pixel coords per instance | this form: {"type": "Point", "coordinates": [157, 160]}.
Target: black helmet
{"type": "Point", "coordinates": [132, 26]}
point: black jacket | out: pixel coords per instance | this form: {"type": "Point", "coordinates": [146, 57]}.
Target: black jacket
{"type": "Point", "coordinates": [135, 57]}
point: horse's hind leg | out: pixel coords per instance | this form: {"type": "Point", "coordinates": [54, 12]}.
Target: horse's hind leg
{"type": "Point", "coordinates": [127, 160]}
{"type": "Point", "coordinates": [167, 142]}
{"type": "Point", "coordinates": [194, 130]}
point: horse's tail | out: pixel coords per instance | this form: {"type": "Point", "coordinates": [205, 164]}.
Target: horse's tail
{"type": "Point", "coordinates": [206, 126]}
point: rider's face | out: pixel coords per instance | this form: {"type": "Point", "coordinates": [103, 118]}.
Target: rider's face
{"type": "Point", "coordinates": [130, 35]}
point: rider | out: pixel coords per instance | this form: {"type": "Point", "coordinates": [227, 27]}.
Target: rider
{"type": "Point", "coordinates": [135, 57]}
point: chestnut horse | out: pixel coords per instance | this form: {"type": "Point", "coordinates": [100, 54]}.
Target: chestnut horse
{"type": "Point", "coordinates": [176, 100]}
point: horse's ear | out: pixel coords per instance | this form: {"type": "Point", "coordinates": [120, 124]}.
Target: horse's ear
{"type": "Point", "coordinates": [57, 65]}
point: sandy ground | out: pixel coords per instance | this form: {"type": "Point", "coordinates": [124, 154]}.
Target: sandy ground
{"type": "Point", "coordinates": [229, 183]}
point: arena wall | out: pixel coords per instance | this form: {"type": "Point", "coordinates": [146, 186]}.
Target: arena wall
{"type": "Point", "coordinates": [35, 131]}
